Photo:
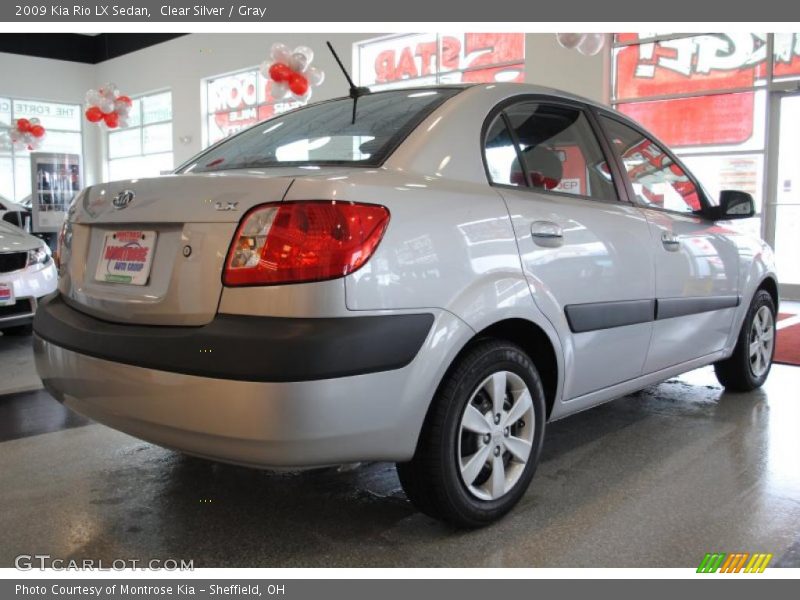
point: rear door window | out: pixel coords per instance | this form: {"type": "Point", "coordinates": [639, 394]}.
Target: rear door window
{"type": "Point", "coordinates": [554, 150]}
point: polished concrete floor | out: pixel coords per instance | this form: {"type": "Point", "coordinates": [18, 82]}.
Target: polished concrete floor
{"type": "Point", "coordinates": [658, 478]}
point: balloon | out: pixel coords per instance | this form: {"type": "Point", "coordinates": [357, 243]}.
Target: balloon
{"type": "Point", "coordinates": [37, 131]}
{"type": "Point", "coordinates": [94, 114]}
{"type": "Point", "coordinates": [106, 105]}
{"type": "Point", "coordinates": [591, 44]}
{"type": "Point", "coordinates": [110, 91]}
{"type": "Point", "coordinates": [278, 90]}
{"type": "Point", "coordinates": [315, 76]}
{"type": "Point", "coordinates": [298, 84]}
{"type": "Point", "coordinates": [121, 108]}
{"type": "Point", "coordinates": [111, 119]}
{"type": "Point", "coordinates": [35, 121]}
{"type": "Point", "coordinates": [125, 100]}
{"type": "Point", "coordinates": [93, 97]}
{"type": "Point", "coordinates": [569, 40]}
{"type": "Point", "coordinates": [280, 72]}
{"type": "Point", "coordinates": [263, 68]}
{"type": "Point", "coordinates": [298, 62]}
{"type": "Point", "coordinates": [24, 125]}
{"type": "Point", "coordinates": [280, 53]}
{"type": "Point", "coordinates": [305, 51]}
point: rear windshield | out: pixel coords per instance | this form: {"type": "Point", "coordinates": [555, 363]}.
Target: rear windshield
{"type": "Point", "coordinates": [324, 133]}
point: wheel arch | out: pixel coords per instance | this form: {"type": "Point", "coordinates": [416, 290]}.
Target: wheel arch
{"type": "Point", "coordinates": [529, 336]}
{"type": "Point", "coordinates": [770, 285]}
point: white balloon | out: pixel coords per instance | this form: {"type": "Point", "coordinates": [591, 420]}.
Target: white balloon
{"type": "Point", "coordinates": [93, 97]}
{"type": "Point", "coordinates": [315, 76]}
{"type": "Point", "coordinates": [279, 90]}
{"type": "Point", "coordinates": [111, 90]}
{"type": "Point", "coordinates": [591, 44]}
{"type": "Point", "coordinates": [280, 53]}
{"type": "Point", "coordinates": [123, 122]}
{"type": "Point", "coordinates": [298, 62]}
{"type": "Point", "coordinates": [305, 51]}
{"type": "Point", "coordinates": [5, 140]}
{"type": "Point", "coordinates": [305, 97]}
{"type": "Point", "coordinates": [106, 105]}
{"type": "Point", "coordinates": [34, 121]}
{"type": "Point", "coordinates": [264, 68]}
{"type": "Point", "coordinates": [122, 108]}
{"type": "Point", "coordinates": [569, 40]}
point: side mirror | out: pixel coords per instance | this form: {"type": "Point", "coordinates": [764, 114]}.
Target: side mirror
{"type": "Point", "coordinates": [734, 204]}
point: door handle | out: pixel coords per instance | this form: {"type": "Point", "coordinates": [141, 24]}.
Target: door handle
{"type": "Point", "coordinates": [670, 241]}
{"type": "Point", "coordinates": [547, 234]}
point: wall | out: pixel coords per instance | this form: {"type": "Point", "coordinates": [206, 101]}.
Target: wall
{"type": "Point", "coordinates": [181, 65]}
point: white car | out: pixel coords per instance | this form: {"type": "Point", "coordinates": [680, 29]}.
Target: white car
{"type": "Point", "coordinates": [18, 214]}
{"type": "Point", "coordinates": [27, 273]}
{"type": "Point", "coordinates": [426, 277]}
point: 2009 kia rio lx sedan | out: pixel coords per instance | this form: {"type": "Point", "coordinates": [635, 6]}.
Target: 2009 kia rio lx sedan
{"type": "Point", "coordinates": [427, 281]}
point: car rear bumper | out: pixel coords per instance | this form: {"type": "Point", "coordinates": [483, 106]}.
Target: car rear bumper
{"type": "Point", "coordinates": [283, 424]}
{"type": "Point", "coordinates": [243, 348]}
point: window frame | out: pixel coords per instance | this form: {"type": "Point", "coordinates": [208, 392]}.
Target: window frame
{"type": "Point", "coordinates": [701, 191]}
{"type": "Point", "coordinates": [13, 153]}
{"type": "Point", "coordinates": [621, 189]}
{"type": "Point", "coordinates": [141, 127]}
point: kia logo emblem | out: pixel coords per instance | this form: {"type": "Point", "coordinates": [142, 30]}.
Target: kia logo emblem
{"type": "Point", "coordinates": [122, 199]}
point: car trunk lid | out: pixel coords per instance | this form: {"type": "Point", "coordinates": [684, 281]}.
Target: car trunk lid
{"type": "Point", "coordinates": [151, 251]}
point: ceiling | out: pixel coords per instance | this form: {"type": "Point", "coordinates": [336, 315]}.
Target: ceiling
{"type": "Point", "coordinates": [80, 47]}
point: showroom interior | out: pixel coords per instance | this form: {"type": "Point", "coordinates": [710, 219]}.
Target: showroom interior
{"type": "Point", "coordinates": [655, 478]}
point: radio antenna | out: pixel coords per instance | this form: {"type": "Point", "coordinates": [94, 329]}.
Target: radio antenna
{"type": "Point", "coordinates": [355, 91]}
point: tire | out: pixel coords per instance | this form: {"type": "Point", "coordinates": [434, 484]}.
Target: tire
{"type": "Point", "coordinates": [435, 480]}
{"type": "Point", "coordinates": [18, 330]}
{"type": "Point", "coordinates": [742, 372]}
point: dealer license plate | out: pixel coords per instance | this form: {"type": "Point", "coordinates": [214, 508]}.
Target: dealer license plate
{"type": "Point", "coordinates": [7, 294]}
{"type": "Point", "coordinates": [127, 257]}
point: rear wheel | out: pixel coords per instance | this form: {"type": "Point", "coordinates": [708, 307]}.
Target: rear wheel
{"type": "Point", "coordinates": [482, 439]}
{"type": "Point", "coordinates": [751, 361]}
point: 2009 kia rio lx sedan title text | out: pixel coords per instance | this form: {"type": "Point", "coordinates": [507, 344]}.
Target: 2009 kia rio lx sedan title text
{"type": "Point", "coordinates": [428, 280]}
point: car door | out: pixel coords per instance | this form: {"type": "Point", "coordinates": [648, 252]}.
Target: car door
{"type": "Point", "coordinates": [696, 264]}
{"type": "Point", "coordinates": [586, 254]}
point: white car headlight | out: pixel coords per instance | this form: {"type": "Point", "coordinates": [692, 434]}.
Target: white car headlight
{"type": "Point", "coordinates": [40, 256]}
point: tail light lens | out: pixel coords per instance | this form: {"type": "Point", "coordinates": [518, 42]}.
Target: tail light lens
{"type": "Point", "coordinates": [294, 242]}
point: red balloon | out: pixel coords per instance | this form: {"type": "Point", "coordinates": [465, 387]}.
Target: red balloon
{"type": "Point", "coordinates": [111, 119]}
{"type": "Point", "coordinates": [94, 114]}
{"type": "Point", "coordinates": [125, 99]}
{"type": "Point", "coordinates": [37, 131]}
{"type": "Point", "coordinates": [23, 125]}
{"type": "Point", "coordinates": [298, 84]}
{"type": "Point", "coordinates": [279, 72]}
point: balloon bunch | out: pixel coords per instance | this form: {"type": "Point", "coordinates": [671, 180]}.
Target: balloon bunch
{"type": "Point", "coordinates": [586, 43]}
{"type": "Point", "coordinates": [106, 106]}
{"type": "Point", "coordinates": [25, 134]}
{"type": "Point", "coordinates": [290, 71]}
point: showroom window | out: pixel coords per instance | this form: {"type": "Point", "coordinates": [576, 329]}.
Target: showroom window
{"type": "Point", "coordinates": [433, 58]}
{"type": "Point", "coordinates": [706, 97]}
{"type": "Point", "coordinates": [63, 125]}
{"type": "Point", "coordinates": [238, 100]}
{"type": "Point", "coordinates": [144, 148]}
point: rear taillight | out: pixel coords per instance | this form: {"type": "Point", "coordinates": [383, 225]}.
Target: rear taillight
{"type": "Point", "coordinates": [294, 242]}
